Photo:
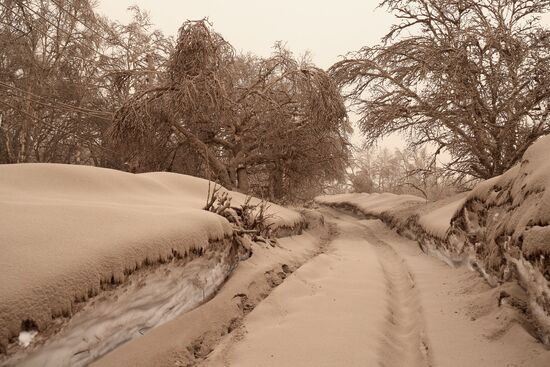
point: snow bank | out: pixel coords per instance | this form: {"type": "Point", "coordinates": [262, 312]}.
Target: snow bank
{"type": "Point", "coordinates": [437, 219]}
{"type": "Point", "coordinates": [371, 204]}
{"type": "Point", "coordinates": [504, 226]}
{"type": "Point", "coordinates": [66, 231]}
{"type": "Point", "coordinates": [412, 217]}
{"type": "Point", "coordinates": [186, 340]}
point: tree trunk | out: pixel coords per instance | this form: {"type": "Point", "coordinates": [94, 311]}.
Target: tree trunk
{"type": "Point", "coordinates": [276, 183]}
{"type": "Point", "coordinates": [218, 167]}
{"type": "Point", "coordinates": [243, 180]}
{"type": "Point", "coordinates": [25, 147]}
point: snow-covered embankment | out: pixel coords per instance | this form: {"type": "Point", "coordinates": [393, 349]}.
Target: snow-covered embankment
{"type": "Point", "coordinates": [70, 233]}
{"type": "Point", "coordinates": [501, 228]}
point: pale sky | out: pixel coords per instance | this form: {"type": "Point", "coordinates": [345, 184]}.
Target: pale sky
{"type": "Point", "coordinates": [327, 29]}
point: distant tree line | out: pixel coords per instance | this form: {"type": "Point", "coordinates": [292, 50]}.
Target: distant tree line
{"type": "Point", "coordinates": [401, 171]}
{"type": "Point", "coordinates": [78, 88]}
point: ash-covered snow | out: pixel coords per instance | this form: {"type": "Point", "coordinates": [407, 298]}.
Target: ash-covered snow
{"type": "Point", "coordinates": [437, 221]}
{"type": "Point", "coordinates": [67, 230]}
{"type": "Point", "coordinates": [505, 226]}
{"type": "Point", "coordinates": [148, 300]}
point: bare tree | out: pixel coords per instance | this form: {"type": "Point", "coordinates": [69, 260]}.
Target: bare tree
{"type": "Point", "coordinates": [63, 72]}
{"type": "Point", "coordinates": [471, 77]}
{"type": "Point", "coordinates": [47, 68]}
{"type": "Point", "coordinates": [280, 120]}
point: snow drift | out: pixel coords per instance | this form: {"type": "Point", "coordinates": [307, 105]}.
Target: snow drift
{"type": "Point", "coordinates": [371, 204]}
{"type": "Point", "coordinates": [67, 231]}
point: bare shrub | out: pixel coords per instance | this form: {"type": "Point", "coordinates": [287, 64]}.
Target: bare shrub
{"type": "Point", "coordinates": [250, 221]}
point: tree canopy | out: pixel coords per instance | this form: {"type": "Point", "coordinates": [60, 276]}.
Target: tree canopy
{"type": "Point", "coordinates": [271, 126]}
{"type": "Point", "coordinates": [471, 77]}
{"type": "Point", "coordinates": [64, 70]}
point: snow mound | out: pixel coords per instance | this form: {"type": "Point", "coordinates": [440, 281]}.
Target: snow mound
{"type": "Point", "coordinates": [66, 230]}
{"type": "Point", "coordinates": [437, 221]}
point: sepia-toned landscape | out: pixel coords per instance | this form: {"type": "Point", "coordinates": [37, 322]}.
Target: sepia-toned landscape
{"type": "Point", "coordinates": [213, 183]}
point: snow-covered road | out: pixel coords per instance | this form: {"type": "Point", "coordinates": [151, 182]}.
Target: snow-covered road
{"type": "Point", "coordinates": [374, 299]}
{"type": "Point", "coordinates": [349, 293]}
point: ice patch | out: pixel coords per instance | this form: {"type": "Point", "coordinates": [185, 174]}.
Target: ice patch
{"type": "Point", "coordinates": [537, 288]}
{"type": "Point", "coordinates": [26, 337]}
{"type": "Point", "coordinates": [128, 313]}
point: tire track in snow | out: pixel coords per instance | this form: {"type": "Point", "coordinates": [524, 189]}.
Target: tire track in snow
{"type": "Point", "coordinates": [404, 341]}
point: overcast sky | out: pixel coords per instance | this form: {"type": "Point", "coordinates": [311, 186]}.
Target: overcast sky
{"type": "Point", "coordinates": [327, 29]}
